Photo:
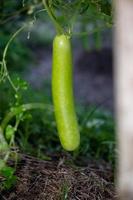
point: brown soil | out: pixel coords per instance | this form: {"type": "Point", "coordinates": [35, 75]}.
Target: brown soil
{"type": "Point", "coordinates": [60, 180]}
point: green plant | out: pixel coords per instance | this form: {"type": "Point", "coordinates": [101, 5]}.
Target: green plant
{"type": "Point", "coordinates": [17, 111]}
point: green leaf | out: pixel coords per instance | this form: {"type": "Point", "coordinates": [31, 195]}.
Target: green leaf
{"type": "Point", "coordinates": [9, 132]}
{"type": "Point", "coordinates": [10, 179]}
{"type": "Point", "coordinates": [7, 171]}
{"type": "Point", "coordinates": [9, 182]}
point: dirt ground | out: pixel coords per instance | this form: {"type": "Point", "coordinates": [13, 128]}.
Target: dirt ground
{"type": "Point", "coordinates": [61, 180]}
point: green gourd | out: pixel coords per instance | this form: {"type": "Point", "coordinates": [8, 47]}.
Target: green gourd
{"type": "Point", "coordinates": [62, 91]}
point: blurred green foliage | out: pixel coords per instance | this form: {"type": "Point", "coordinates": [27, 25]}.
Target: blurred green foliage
{"type": "Point", "coordinates": [83, 17]}
{"type": "Point", "coordinates": [37, 135]}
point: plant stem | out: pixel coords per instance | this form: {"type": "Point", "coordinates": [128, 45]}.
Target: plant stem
{"type": "Point", "coordinates": [86, 33]}
{"type": "Point", "coordinates": [52, 17]}
{"type": "Point", "coordinates": [3, 71]}
{"type": "Point", "coordinates": [23, 108]}
{"type": "Point", "coordinates": [11, 39]}
{"type": "Point", "coordinates": [2, 139]}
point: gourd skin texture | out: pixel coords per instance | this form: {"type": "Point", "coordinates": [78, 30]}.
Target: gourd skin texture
{"type": "Point", "coordinates": [62, 92]}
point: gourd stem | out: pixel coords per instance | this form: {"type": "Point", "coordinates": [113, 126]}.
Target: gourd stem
{"type": "Point", "coordinates": [52, 17]}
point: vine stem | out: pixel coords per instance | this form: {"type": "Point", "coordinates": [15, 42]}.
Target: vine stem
{"type": "Point", "coordinates": [52, 17]}
{"type": "Point", "coordinates": [6, 157]}
{"type": "Point", "coordinates": [4, 72]}
{"type": "Point", "coordinates": [9, 42]}
{"type": "Point", "coordinates": [2, 139]}
{"type": "Point", "coordinates": [91, 32]}
{"type": "Point", "coordinates": [23, 108]}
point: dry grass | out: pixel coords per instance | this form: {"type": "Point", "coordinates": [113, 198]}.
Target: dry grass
{"type": "Point", "coordinates": [56, 180]}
